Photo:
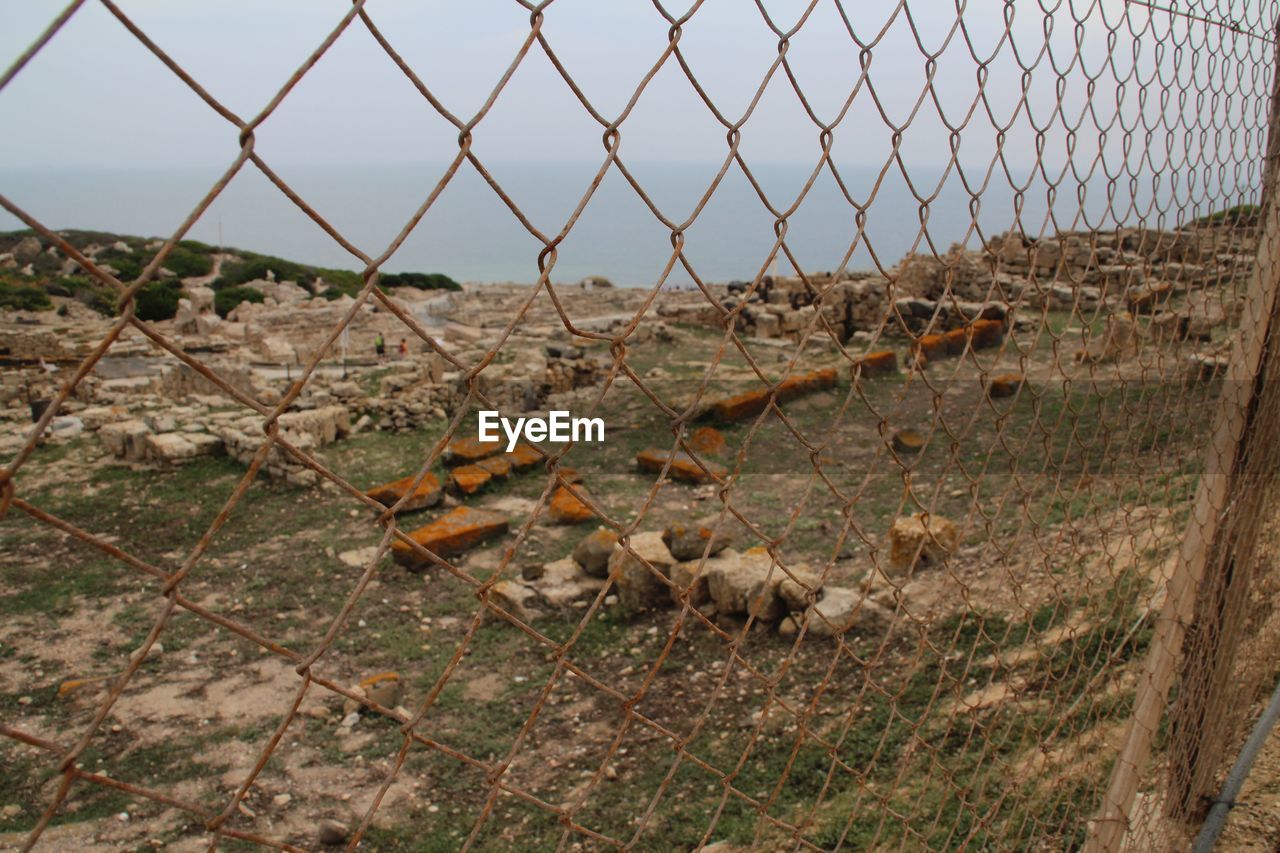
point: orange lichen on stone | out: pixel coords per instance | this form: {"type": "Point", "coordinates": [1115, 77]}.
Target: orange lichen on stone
{"type": "Point", "coordinates": [986, 334]}
{"type": "Point", "coordinates": [930, 346]}
{"type": "Point", "coordinates": [955, 341]}
{"type": "Point", "coordinates": [708, 440]}
{"type": "Point", "coordinates": [468, 479]}
{"type": "Point", "coordinates": [1005, 385]}
{"type": "Point", "coordinates": [879, 363]}
{"type": "Point", "coordinates": [682, 466]}
{"type": "Point", "coordinates": [382, 676]}
{"type": "Point", "coordinates": [452, 533]}
{"type": "Point", "coordinates": [565, 508]}
{"type": "Point", "coordinates": [908, 441]}
{"type": "Point", "coordinates": [523, 456]}
{"type": "Point", "coordinates": [751, 403]}
{"type": "Point", "coordinates": [496, 465]}
{"type": "Point", "coordinates": [464, 450]}
{"type": "Point", "coordinates": [427, 493]}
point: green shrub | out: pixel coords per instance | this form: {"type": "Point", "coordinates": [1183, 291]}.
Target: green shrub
{"type": "Point", "coordinates": [226, 300]}
{"type": "Point", "coordinates": [127, 265]}
{"type": "Point", "coordinates": [1241, 214]}
{"type": "Point", "coordinates": [158, 300]}
{"type": "Point", "coordinates": [90, 291]}
{"type": "Point", "coordinates": [256, 267]}
{"type": "Point", "coordinates": [420, 280]}
{"type": "Point", "coordinates": [340, 282]}
{"type": "Point", "coordinates": [23, 297]}
{"type": "Point", "coordinates": [186, 263]}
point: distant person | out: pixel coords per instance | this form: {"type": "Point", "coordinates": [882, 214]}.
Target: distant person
{"type": "Point", "coordinates": [404, 348]}
{"type": "Point", "coordinates": [380, 346]}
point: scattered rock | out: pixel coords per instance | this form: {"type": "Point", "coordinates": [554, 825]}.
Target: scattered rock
{"type": "Point", "coordinates": [908, 441]}
{"type": "Point", "coordinates": [515, 598]}
{"type": "Point", "coordinates": [843, 609]}
{"type": "Point", "coordinates": [1004, 385]}
{"type": "Point", "coordinates": [384, 689]}
{"type": "Point", "coordinates": [593, 552]}
{"type": "Point", "coordinates": [799, 592]}
{"type": "Point", "coordinates": [565, 508]}
{"type": "Point", "coordinates": [745, 584]}
{"type": "Point", "coordinates": [690, 580]}
{"type": "Point", "coordinates": [690, 543]}
{"type": "Point", "coordinates": [562, 583]}
{"type": "Point", "coordinates": [1206, 368]}
{"type": "Point", "coordinates": [707, 441]}
{"type": "Point", "coordinates": [638, 586]}
{"type": "Point", "coordinates": [913, 542]}
{"type": "Point", "coordinates": [332, 833]}
{"type": "Point", "coordinates": [358, 558]}
{"type": "Point", "coordinates": [1145, 299]}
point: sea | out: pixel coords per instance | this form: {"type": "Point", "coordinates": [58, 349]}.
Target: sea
{"type": "Point", "coordinates": [470, 232]}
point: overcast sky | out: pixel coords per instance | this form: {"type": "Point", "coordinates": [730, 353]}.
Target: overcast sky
{"type": "Point", "coordinates": [95, 97]}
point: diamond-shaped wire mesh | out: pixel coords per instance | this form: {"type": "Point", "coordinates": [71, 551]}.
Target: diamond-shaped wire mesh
{"type": "Point", "coordinates": [974, 681]}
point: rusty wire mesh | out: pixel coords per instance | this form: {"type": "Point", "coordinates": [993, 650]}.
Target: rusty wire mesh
{"type": "Point", "coordinates": [988, 710]}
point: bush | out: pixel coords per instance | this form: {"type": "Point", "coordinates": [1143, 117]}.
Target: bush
{"type": "Point", "coordinates": [340, 282]}
{"type": "Point", "coordinates": [23, 297]}
{"type": "Point", "coordinates": [420, 280]}
{"type": "Point", "coordinates": [127, 265]}
{"type": "Point", "coordinates": [226, 300]}
{"type": "Point", "coordinates": [256, 267]}
{"type": "Point", "coordinates": [1241, 214]}
{"type": "Point", "coordinates": [186, 263]}
{"type": "Point", "coordinates": [89, 291]}
{"type": "Point", "coordinates": [158, 300]}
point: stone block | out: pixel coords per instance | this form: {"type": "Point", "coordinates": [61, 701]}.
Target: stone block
{"type": "Point", "coordinates": [1004, 385]}
{"type": "Point", "coordinates": [682, 466]}
{"type": "Point", "coordinates": [745, 584]}
{"type": "Point", "coordinates": [593, 552]}
{"type": "Point", "coordinates": [463, 451]}
{"type": "Point", "coordinates": [917, 543]}
{"type": "Point", "coordinates": [639, 587]}
{"type": "Point", "coordinates": [468, 479]}
{"type": "Point", "coordinates": [565, 508]}
{"type": "Point", "coordinates": [125, 439]}
{"type": "Point", "coordinates": [879, 363]}
{"type": "Point", "coordinates": [841, 610]}
{"type": "Point", "coordinates": [426, 494]}
{"type": "Point", "coordinates": [453, 533]}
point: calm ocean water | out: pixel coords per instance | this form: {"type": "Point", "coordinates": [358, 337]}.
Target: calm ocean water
{"type": "Point", "coordinates": [471, 235]}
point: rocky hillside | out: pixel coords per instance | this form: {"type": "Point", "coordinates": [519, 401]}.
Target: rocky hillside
{"type": "Point", "coordinates": [32, 270]}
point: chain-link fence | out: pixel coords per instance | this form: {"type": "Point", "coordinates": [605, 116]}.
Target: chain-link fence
{"type": "Point", "coordinates": [979, 537]}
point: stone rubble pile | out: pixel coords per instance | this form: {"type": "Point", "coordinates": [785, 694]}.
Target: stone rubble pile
{"type": "Point", "coordinates": [698, 565]}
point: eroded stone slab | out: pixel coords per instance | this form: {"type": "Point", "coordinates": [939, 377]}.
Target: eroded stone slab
{"type": "Point", "coordinates": [426, 494]}
{"type": "Point", "coordinates": [453, 533]}
{"type": "Point", "coordinates": [682, 466]}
